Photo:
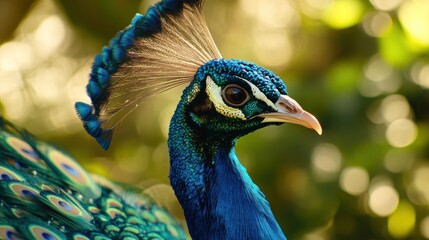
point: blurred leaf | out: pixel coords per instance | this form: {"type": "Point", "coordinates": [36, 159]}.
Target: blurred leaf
{"type": "Point", "coordinates": [402, 221]}
{"type": "Point", "coordinates": [344, 13]}
{"type": "Point", "coordinates": [343, 77]}
{"type": "Point", "coordinates": [395, 48]}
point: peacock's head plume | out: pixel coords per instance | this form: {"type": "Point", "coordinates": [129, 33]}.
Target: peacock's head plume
{"type": "Point", "coordinates": [170, 46]}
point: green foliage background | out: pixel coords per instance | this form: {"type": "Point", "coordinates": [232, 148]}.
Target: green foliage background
{"type": "Point", "coordinates": [361, 67]}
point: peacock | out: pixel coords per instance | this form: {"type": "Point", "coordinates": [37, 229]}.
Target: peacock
{"type": "Point", "coordinates": [45, 194]}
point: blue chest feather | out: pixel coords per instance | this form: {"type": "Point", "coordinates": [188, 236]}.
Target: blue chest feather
{"type": "Point", "coordinates": [238, 202]}
{"type": "Point", "coordinates": [219, 199]}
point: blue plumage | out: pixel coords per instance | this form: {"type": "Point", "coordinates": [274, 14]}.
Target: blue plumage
{"type": "Point", "coordinates": [83, 111]}
{"type": "Point", "coordinates": [225, 99]}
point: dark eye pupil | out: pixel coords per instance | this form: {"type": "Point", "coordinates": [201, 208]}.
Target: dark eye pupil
{"type": "Point", "coordinates": [235, 95]}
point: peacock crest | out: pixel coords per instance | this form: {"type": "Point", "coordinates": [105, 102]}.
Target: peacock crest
{"type": "Point", "coordinates": [156, 52]}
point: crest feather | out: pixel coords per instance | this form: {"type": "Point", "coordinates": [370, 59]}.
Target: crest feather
{"type": "Point", "coordinates": [156, 52]}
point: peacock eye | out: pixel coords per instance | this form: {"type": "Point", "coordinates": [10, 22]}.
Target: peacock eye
{"type": "Point", "coordinates": [234, 95]}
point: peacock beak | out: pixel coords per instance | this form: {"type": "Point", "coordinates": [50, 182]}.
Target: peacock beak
{"type": "Point", "coordinates": [289, 111]}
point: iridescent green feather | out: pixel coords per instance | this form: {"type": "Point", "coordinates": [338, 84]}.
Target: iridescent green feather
{"type": "Point", "coordinates": [14, 148]}
{"type": "Point", "coordinates": [36, 229]}
{"type": "Point", "coordinates": [7, 230]}
{"type": "Point", "coordinates": [46, 194]}
{"type": "Point", "coordinates": [20, 194]}
{"type": "Point", "coordinates": [70, 172]}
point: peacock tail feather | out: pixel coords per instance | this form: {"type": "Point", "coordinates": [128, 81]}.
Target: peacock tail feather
{"type": "Point", "coordinates": [46, 194]}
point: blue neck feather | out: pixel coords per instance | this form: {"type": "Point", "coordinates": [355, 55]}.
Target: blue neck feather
{"type": "Point", "coordinates": [219, 199]}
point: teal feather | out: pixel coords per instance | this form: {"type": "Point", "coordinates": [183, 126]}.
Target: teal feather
{"type": "Point", "coordinates": [31, 228]}
{"type": "Point", "coordinates": [7, 172]}
{"type": "Point", "coordinates": [64, 201]}
{"type": "Point", "coordinates": [21, 151]}
{"type": "Point", "coordinates": [20, 194]}
{"type": "Point", "coordinates": [7, 230]}
{"type": "Point", "coordinates": [71, 174]}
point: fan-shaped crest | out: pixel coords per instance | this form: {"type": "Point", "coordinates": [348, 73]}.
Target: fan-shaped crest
{"type": "Point", "coordinates": [158, 51]}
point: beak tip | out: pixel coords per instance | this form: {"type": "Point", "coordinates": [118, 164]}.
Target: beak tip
{"type": "Point", "coordinates": [316, 126]}
{"type": "Point", "coordinates": [313, 123]}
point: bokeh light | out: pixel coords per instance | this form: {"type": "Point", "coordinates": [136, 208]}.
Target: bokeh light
{"type": "Point", "coordinates": [420, 182]}
{"type": "Point", "coordinates": [383, 199]}
{"type": "Point", "coordinates": [386, 5]}
{"type": "Point", "coordinates": [420, 74]}
{"type": "Point", "coordinates": [276, 14]}
{"type": "Point", "coordinates": [394, 107]}
{"type": "Point", "coordinates": [16, 55]}
{"type": "Point", "coordinates": [49, 35]}
{"type": "Point", "coordinates": [273, 48]}
{"type": "Point", "coordinates": [380, 78]}
{"type": "Point", "coordinates": [377, 70]}
{"type": "Point", "coordinates": [424, 227]}
{"type": "Point", "coordinates": [326, 161]}
{"type": "Point", "coordinates": [272, 23]}
{"type": "Point", "coordinates": [343, 13]}
{"type": "Point", "coordinates": [401, 133]}
{"type": "Point", "coordinates": [414, 16]}
{"type": "Point", "coordinates": [402, 221]}
{"type": "Point", "coordinates": [315, 8]}
{"type": "Point", "coordinates": [377, 23]}
{"type": "Point", "coordinates": [354, 180]}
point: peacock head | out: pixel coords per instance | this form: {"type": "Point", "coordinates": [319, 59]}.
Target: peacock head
{"type": "Point", "coordinates": [230, 98]}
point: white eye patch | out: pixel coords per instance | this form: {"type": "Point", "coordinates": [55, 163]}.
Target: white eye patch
{"type": "Point", "coordinates": [214, 93]}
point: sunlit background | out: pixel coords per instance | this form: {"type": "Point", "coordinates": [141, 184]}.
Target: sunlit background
{"type": "Point", "coordinates": [362, 67]}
